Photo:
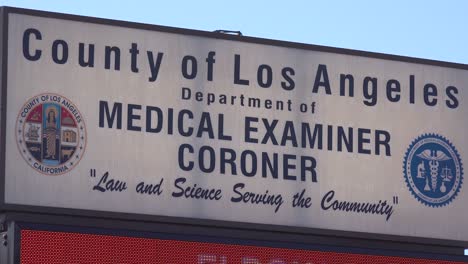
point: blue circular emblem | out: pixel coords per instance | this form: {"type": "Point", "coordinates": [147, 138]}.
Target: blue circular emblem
{"type": "Point", "coordinates": [433, 170]}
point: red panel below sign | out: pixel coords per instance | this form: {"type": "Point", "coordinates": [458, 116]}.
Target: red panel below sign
{"type": "Point", "coordinates": [61, 247]}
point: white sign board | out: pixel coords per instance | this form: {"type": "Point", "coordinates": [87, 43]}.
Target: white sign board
{"type": "Point", "coordinates": [127, 120]}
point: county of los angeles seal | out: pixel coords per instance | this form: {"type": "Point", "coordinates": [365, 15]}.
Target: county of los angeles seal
{"type": "Point", "coordinates": [50, 134]}
{"type": "Point", "coordinates": [433, 170]}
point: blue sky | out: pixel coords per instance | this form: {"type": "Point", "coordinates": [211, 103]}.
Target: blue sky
{"type": "Point", "coordinates": [432, 29]}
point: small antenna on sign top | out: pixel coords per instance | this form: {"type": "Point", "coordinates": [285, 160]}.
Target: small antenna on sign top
{"type": "Point", "coordinates": [231, 32]}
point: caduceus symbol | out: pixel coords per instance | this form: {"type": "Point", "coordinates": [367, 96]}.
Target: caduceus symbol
{"type": "Point", "coordinates": [434, 157]}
